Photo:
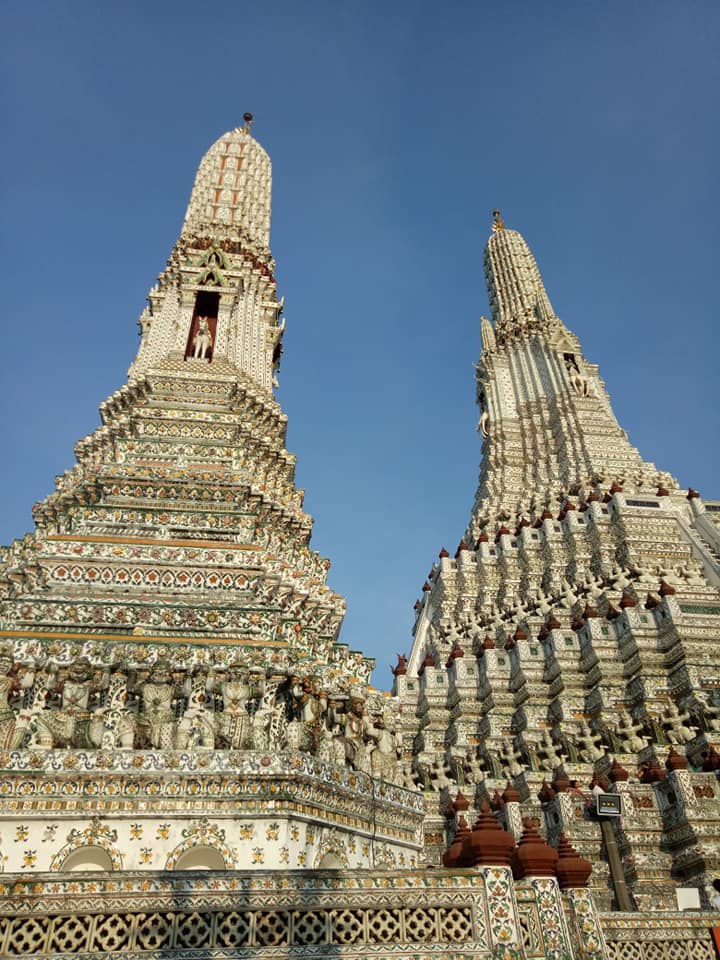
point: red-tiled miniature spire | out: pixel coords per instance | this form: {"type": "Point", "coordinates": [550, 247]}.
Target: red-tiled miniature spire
{"type": "Point", "coordinates": [489, 843]}
{"type": "Point", "coordinates": [533, 857]}
{"type": "Point", "coordinates": [572, 869]}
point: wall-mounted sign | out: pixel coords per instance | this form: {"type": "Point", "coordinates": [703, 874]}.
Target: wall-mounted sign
{"type": "Point", "coordinates": [608, 804]}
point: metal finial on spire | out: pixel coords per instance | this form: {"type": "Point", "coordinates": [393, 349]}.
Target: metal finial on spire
{"type": "Point", "coordinates": [248, 118]}
{"type": "Point", "coordinates": [498, 222]}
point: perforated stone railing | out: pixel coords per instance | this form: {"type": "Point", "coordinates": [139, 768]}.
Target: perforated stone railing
{"type": "Point", "coordinates": [144, 934]}
{"type": "Point", "coordinates": [665, 936]}
{"type": "Point", "coordinates": [194, 915]}
{"type": "Point", "coordinates": [471, 914]}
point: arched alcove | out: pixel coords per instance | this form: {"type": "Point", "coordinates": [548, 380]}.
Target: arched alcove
{"type": "Point", "coordinates": [330, 861]}
{"type": "Point", "coordinates": [89, 857]}
{"type": "Point", "coordinates": [201, 857]}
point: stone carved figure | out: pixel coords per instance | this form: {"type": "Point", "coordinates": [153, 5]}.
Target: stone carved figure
{"type": "Point", "coordinates": [196, 727]}
{"type": "Point", "coordinates": [579, 383]}
{"type": "Point", "coordinates": [474, 769]}
{"type": "Point", "coordinates": [66, 725]}
{"type": "Point", "coordinates": [628, 732]}
{"type": "Point", "coordinates": [234, 725]}
{"type": "Point", "coordinates": [269, 722]}
{"type": "Point", "coordinates": [484, 422]}
{"type": "Point", "coordinates": [27, 719]}
{"type": "Point", "coordinates": [331, 748]}
{"type": "Point", "coordinates": [114, 724]}
{"type": "Point", "coordinates": [202, 341]}
{"type": "Point", "coordinates": [357, 749]}
{"type": "Point", "coordinates": [384, 758]}
{"type": "Point", "coordinates": [156, 724]}
{"type": "Point", "coordinates": [308, 706]}
{"type": "Point", "coordinates": [509, 757]}
{"type": "Point", "coordinates": [439, 772]}
{"type": "Point", "coordinates": [549, 753]}
{"type": "Point", "coordinates": [407, 776]}
{"type": "Point", "coordinates": [8, 719]}
{"type": "Point", "coordinates": [588, 743]}
{"type": "Point", "coordinates": [710, 716]}
{"type": "Point", "coordinates": [674, 723]}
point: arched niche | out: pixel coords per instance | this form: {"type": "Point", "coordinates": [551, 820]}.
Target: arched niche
{"type": "Point", "coordinates": [200, 857]}
{"type": "Point", "coordinates": [88, 857]}
{"type": "Point", "coordinates": [330, 861]}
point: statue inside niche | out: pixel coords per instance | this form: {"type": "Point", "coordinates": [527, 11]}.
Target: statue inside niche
{"type": "Point", "coordinates": [202, 341]}
{"type": "Point", "coordinates": [579, 382]}
{"type": "Point", "coordinates": [484, 416]}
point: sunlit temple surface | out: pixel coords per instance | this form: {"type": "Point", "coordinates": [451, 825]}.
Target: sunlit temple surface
{"type": "Point", "coordinates": [193, 764]}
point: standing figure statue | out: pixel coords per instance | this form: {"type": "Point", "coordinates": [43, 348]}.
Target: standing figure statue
{"type": "Point", "coordinates": [113, 724]}
{"type": "Point", "coordinates": [234, 723]}
{"type": "Point", "coordinates": [157, 721]}
{"type": "Point", "coordinates": [196, 728]}
{"type": "Point", "coordinates": [484, 421]}
{"type": "Point", "coordinates": [202, 341]}
{"type": "Point", "coordinates": [307, 707]}
{"type": "Point", "coordinates": [384, 758]}
{"type": "Point", "coordinates": [357, 750]}
{"type": "Point", "coordinates": [10, 734]}
{"type": "Point", "coordinates": [67, 724]}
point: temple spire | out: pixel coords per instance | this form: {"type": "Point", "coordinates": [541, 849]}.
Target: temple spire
{"type": "Point", "coordinates": [515, 286]}
{"type": "Point", "coordinates": [215, 306]}
{"type": "Point", "coordinates": [545, 416]}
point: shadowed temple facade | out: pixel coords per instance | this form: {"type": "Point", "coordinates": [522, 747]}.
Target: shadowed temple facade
{"type": "Point", "coordinates": [193, 764]}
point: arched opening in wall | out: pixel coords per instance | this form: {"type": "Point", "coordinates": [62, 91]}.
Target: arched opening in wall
{"type": "Point", "coordinates": [201, 338]}
{"type": "Point", "coordinates": [87, 858]}
{"type": "Point", "coordinates": [570, 361]}
{"type": "Point", "coordinates": [330, 861]}
{"type": "Point", "coordinates": [200, 858]}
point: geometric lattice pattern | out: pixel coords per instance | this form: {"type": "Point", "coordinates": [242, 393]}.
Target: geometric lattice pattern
{"type": "Point", "coordinates": [162, 930]}
{"type": "Point", "coordinates": [680, 949]}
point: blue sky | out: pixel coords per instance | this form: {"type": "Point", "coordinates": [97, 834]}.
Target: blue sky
{"type": "Point", "coordinates": [394, 129]}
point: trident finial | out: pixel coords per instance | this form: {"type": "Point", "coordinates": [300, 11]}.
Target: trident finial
{"type": "Point", "coordinates": [498, 222]}
{"type": "Point", "coordinates": [248, 118]}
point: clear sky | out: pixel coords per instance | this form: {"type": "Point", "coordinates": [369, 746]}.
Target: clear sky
{"type": "Point", "coordinates": [394, 129]}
